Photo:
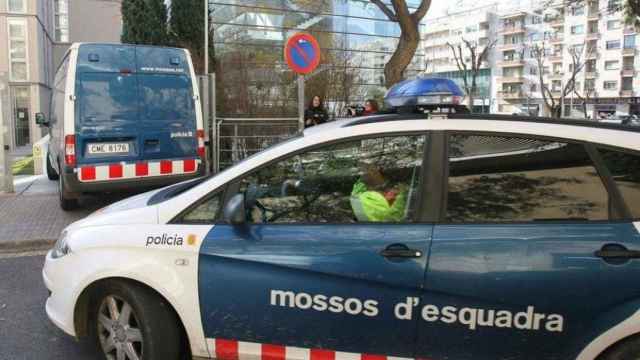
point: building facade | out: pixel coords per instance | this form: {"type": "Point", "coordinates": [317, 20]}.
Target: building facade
{"type": "Point", "coordinates": [34, 34]}
{"type": "Point", "coordinates": [476, 25]}
{"type": "Point", "coordinates": [356, 41]}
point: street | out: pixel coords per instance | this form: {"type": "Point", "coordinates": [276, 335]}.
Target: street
{"type": "Point", "coordinates": [25, 331]}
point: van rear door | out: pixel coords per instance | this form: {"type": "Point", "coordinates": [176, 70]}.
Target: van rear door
{"type": "Point", "coordinates": [167, 104]}
{"type": "Point", "coordinates": [134, 104]}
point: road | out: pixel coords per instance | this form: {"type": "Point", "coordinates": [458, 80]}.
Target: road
{"type": "Point", "coordinates": [25, 331]}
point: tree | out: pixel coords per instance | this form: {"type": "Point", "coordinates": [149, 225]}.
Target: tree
{"type": "Point", "coordinates": [470, 65]}
{"type": "Point", "coordinates": [144, 22]}
{"type": "Point", "coordinates": [409, 36]}
{"type": "Point", "coordinates": [186, 27]}
{"type": "Point", "coordinates": [553, 97]}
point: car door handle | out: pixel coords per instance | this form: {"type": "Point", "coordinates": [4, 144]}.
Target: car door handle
{"type": "Point", "coordinates": [618, 254]}
{"type": "Point", "coordinates": [400, 251]}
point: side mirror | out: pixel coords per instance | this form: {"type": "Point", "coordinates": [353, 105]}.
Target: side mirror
{"type": "Point", "coordinates": [234, 211]}
{"type": "Point", "coordinates": [41, 119]}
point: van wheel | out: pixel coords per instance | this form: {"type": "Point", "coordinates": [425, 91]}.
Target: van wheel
{"type": "Point", "coordinates": [627, 349]}
{"type": "Point", "coordinates": [66, 203]}
{"type": "Point", "coordinates": [129, 321]}
{"type": "Point", "coordinates": [51, 172]}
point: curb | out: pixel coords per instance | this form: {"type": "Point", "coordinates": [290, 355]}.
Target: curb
{"type": "Point", "coordinates": [26, 245]}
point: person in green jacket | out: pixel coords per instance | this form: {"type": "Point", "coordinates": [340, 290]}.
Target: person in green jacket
{"type": "Point", "coordinates": [373, 199]}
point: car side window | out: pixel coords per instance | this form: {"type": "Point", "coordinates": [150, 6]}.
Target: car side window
{"type": "Point", "coordinates": [368, 180]}
{"type": "Point", "coordinates": [204, 213]}
{"type": "Point", "coordinates": [625, 171]}
{"type": "Point", "coordinates": [505, 179]}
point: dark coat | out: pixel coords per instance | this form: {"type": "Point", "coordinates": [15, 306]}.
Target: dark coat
{"type": "Point", "coordinates": [315, 116]}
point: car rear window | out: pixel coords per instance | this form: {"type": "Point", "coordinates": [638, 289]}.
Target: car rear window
{"type": "Point", "coordinates": [625, 170]}
{"type": "Point", "coordinates": [166, 97]}
{"type": "Point", "coordinates": [520, 179]}
{"type": "Point", "coordinates": [107, 97]}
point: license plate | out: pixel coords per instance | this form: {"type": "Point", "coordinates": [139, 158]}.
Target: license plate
{"type": "Point", "coordinates": [109, 148]}
{"type": "Point", "coordinates": [429, 100]}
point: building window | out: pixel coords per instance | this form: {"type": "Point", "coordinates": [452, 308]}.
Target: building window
{"type": "Point", "coordinates": [613, 44]}
{"type": "Point", "coordinates": [533, 71]}
{"type": "Point", "coordinates": [536, 20]}
{"type": "Point", "coordinates": [20, 101]}
{"type": "Point", "coordinates": [589, 85]}
{"type": "Point", "coordinates": [612, 65]}
{"type": "Point", "coordinates": [614, 5]}
{"type": "Point", "coordinates": [533, 88]}
{"type": "Point", "coordinates": [62, 20]}
{"type": "Point", "coordinates": [627, 84]}
{"type": "Point", "coordinates": [610, 85]}
{"type": "Point", "coordinates": [577, 29]}
{"type": "Point", "coordinates": [577, 10]}
{"type": "Point", "coordinates": [613, 24]}
{"type": "Point", "coordinates": [17, 6]}
{"type": "Point", "coordinates": [18, 49]}
{"type": "Point", "coordinates": [629, 41]}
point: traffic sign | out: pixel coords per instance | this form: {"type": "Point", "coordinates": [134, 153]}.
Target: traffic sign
{"type": "Point", "coordinates": [302, 53]}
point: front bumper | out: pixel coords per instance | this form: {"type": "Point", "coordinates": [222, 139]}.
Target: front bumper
{"type": "Point", "coordinates": [60, 303]}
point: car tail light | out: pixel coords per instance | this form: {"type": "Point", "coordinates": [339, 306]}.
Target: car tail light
{"type": "Point", "coordinates": [70, 150]}
{"type": "Point", "coordinates": [200, 134]}
{"type": "Point", "coordinates": [456, 100]}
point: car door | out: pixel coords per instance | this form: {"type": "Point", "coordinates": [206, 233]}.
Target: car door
{"type": "Point", "coordinates": [524, 264]}
{"type": "Point", "coordinates": [302, 272]}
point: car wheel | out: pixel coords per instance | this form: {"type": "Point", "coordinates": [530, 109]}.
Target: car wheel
{"type": "Point", "coordinates": [132, 322]}
{"type": "Point", "coordinates": [628, 349]}
{"type": "Point", "coordinates": [51, 172]}
{"type": "Point", "coordinates": [66, 203]}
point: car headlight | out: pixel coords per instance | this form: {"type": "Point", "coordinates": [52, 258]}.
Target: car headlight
{"type": "Point", "coordinates": [61, 248]}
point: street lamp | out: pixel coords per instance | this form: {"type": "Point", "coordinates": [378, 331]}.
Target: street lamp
{"type": "Point", "coordinates": [206, 37]}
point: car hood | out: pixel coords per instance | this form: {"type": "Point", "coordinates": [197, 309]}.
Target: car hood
{"type": "Point", "coordinates": [133, 210]}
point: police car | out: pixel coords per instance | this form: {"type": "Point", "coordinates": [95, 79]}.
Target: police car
{"type": "Point", "coordinates": [514, 238]}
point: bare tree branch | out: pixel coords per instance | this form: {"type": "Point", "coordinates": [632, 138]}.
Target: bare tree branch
{"type": "Point", "coordinates": [422, 10]}
{"type": "Point", "coordinates": [383, 7]}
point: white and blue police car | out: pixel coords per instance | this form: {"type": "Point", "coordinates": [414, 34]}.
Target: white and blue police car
{"type": "Point", "coordinates": [487, 238]}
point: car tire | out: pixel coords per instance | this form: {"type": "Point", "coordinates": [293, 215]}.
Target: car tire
{"type": "Point", "coordinates": [66, 203]}
{"type": "Point", "coordinates": [152, 330]}
{"type": "Point", "coordinates": [51, 172]}
{"type": "Point", "coordinates": [627, 349]}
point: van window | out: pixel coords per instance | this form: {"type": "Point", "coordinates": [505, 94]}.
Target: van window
{"type": "Point", "coordinates": [506, 179]}
{"type": "Point", "coordinates": [107, 97]}
{"type": "Point", "coordinates": [625, 170]}
{"type": "Point", "coordinates": [166, 97]}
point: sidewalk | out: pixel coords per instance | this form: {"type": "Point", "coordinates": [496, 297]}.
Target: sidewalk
{"type": "Point", "coordinates": [31, 218]}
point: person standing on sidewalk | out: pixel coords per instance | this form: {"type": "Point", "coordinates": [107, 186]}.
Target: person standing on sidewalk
{"type": "Point", "coordinates": [316, 113]}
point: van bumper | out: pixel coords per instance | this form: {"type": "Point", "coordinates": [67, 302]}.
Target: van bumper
{"type": "Point", "coordinates": [73, 185]}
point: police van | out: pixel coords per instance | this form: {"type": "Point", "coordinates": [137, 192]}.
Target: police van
{"type": "Point", "coordinates": [123, 117]}
{"type": "Point", "coordinates": [427, 95]}
{"type": "Point", "coordinates": [380, 237]}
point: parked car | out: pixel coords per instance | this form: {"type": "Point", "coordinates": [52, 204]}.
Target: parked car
{"type": "Point", "coordinates": [383, 236]}
{"type": "Point", "coordinates": [123, 117]}
{"type": "Point", "coordinates": [432, 95]}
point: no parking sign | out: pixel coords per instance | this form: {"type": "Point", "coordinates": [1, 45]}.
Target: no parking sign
{"type": "Point", "coordinates": [302, 53]}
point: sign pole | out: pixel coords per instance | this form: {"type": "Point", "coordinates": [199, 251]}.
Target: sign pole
{"type": "Point", "coordinates": [206, 37]}
{"type": "Point", "coordinates": [300, 103]}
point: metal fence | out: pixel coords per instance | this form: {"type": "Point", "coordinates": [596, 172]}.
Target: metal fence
{"type": "Point", "coordinates": [238, 138]}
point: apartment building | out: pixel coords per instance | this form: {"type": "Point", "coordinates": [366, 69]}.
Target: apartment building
{"type": "Point", "coordinates": [590, 36]}
{"type": "Point", "coordinates": [477, 25]}
{"type": "Point", "coordinates": [26, 65]}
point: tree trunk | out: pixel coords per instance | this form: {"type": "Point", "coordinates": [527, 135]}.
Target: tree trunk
{"type": "Point", "coordinates": [401, 58]}
{"type": "Point", "coordinates": [471, 98]}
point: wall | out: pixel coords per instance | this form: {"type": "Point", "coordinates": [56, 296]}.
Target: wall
{"type": "Point", "coordinates": [95, 21]}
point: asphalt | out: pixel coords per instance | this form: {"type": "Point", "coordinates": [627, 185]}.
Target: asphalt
{"type": "Point", "coordinates": [25, 331]}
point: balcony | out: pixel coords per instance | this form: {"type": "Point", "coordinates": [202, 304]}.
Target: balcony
{"type": "Point", "coordinates": [555, 76]}
{"type": "Point", "coordinates": [628, 72]}
{"type": "Point", "coordinates": [590, 74]}
{"type": "Point", "coordinates": [556, 39]}
{"type": "Point", "coordinates": [511, 95]}
{"type": "Point", "coordinates": [592, 36]}
{"type": "Point", "coordinates": [556, 92]}
{"type": "Point", "coordinates": [511, 79]}
{"type": "Point", "coordinates": [511, 63]}
{"type": "Point", "coordinates": [512, 29]}
{"type": "Point", "coordinates": [515, 15]}
{"type": "Point", "coordinates": [628, 51]}
{"type": "Point", "coordinates": [554, 20]}
{"type": "Point", "coordinates": [555, 58]}
{"type": "Point", "coordinates": [626, 93]}
{"type": "Point", "coordinates": [593, 14]}
{"type": "Point", "coordinates": [629, 31]}
{"type": "Point", "coordinates": [591, 55]}
{"type": "Point", "coordinates": [507, 47]}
